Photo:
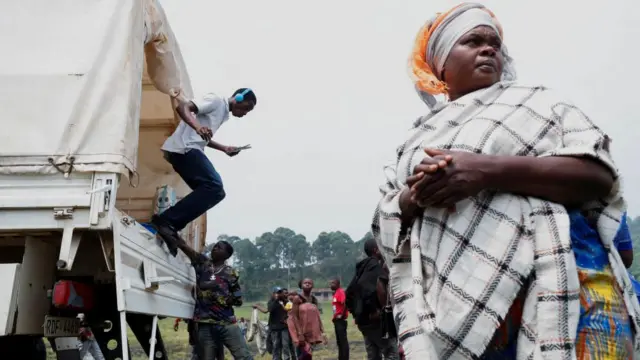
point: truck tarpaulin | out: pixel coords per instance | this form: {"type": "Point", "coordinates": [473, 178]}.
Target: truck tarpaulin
{"type": "Point", "coordinates": [70, 82]}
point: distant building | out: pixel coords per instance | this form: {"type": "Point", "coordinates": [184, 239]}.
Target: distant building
{"type": "Point", "coordinates": [323, 294]}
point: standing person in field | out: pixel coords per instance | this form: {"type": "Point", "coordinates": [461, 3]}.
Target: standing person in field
{"type": "Point", "coordinates": [368, 299]}
{"type": "Point", "coordinates": [288, 307]}
{"type": "Point", "coordinates": [289, 346]}
{"type": "Point", "coordinates": [340, 315]}
{"type": "Point", "coordinates": [278, 329]}
{"type": "Point", "coordinates": [305, 327]}
{"type": "Point", "coordinates": [243, 327]}
{"type": "Point", "coordinates": [89, 344]}
{"type": "Point", "coordinates": [184, 150]}
{"type": "Point", "coordinates": [269, 343]}
{"type": "Point", "coordinates": [191, 330]}
{"type": "Point", "coordinates": [306, 285]}
{"type": "Point", "coordinates": [217, 292]}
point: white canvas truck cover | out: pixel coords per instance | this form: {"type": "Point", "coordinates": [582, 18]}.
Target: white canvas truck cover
{"type": "Point", "coordinates": [93, 83]}
{"type": "Point", "coordinates": [70, 82]}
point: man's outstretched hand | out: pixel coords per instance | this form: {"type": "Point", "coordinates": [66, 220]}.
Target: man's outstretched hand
{"type": "Point", "coordinates": [231, 151]}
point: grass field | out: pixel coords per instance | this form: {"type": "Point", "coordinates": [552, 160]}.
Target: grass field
{"type": "Point", "coordinates": [177, 343]}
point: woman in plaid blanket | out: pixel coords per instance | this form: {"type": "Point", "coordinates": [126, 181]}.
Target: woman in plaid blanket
{"type": "Point", "coordinates": [499, 215]}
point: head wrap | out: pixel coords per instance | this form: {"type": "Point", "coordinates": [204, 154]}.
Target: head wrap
{"type": "Point", "coordinates": [436, 39]}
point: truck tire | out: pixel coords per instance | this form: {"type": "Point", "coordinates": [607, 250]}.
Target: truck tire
{"type": "Point", "coordinates": [23, 347]}
{"type": "Point", "coordinates": [39, 350]}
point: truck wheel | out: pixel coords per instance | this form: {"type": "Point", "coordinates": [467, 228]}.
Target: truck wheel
{"type": "Point", "coordinates": [39, 350]}
{"type": "Point", "coordinates": [23, 347]}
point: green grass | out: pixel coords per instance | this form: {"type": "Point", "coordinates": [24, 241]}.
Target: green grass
{"type": "Point", "coordinates": [177, 343]}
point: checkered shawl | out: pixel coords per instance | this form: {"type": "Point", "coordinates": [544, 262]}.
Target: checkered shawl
{"type": "Point", "coordinates": [454, 275]}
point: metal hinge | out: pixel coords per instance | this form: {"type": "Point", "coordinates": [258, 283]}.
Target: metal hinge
{"type": "Point", "coordinates": [127, 221]}
{"type": "Point", "coordinates": [62, 213]}
{"type": "Point", "coordinates": [151, 279]}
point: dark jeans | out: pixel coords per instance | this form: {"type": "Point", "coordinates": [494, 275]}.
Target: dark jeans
{"type": "Point", "coordinates": [378, 348]}
{"type": "Point", "coordinates": [340, 326]}
{"type": "Point", "coordinates": [293, 348]}
{"type": "Point", "coordinates": [211, 338]}
{"type": "Point", "coordinates": [281, 340]}
{"type": "Point", "coordinates": [198, 172]}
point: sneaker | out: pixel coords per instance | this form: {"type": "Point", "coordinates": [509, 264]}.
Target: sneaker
{"type": "Point", "coordinates": [167, 233]}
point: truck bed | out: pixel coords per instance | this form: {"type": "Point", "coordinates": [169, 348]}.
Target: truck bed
{"type": "Point", "coordinates": [77, 220]}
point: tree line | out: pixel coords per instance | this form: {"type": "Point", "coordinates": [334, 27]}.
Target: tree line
{"type": "Point", "coordinates": [284, 257]}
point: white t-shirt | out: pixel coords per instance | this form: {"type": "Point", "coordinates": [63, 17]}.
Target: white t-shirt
{"type": "Point", "coordinates": [213, 111]}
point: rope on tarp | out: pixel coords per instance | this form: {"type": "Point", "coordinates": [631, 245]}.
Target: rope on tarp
{"type": "Point", "coordinates": [69, 164]}
{"type": "Point", "coordinates": [134, 175]}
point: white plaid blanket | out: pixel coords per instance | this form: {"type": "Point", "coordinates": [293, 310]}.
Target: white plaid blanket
{"type": "Point", "coordinates": [455, 275]}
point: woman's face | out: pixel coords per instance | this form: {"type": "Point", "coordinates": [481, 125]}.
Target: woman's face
{"type": "Point", "coordinates": [307, 284]}
{"type": "Point", "coordinates": [475, 62]}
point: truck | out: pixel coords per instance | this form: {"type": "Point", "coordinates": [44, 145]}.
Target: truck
{"type": "Point", "coordinates": [88, 90]}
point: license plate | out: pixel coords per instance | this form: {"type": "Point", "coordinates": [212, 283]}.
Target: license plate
{"type": "Point", "coordinates": [55, 326]}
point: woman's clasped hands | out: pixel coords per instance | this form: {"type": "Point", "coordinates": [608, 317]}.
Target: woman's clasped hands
{"type": "Point", "coordinates": [444, 178]}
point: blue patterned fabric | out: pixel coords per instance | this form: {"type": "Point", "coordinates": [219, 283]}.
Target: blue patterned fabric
{"type": "Point", "coordinates": [623, 240]}
{"type": "Point", "coordinates": [604, 329]}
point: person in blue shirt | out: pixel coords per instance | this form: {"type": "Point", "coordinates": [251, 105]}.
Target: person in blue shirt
{"type": "Point", "coordinates": [624, 243]}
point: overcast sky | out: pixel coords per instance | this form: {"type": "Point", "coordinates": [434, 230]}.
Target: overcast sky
{"type": "Point", "coordinates": [334, 98]}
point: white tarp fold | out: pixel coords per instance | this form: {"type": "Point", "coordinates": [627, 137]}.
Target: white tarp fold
{"type": "Point", "coordinates": [70, 81]}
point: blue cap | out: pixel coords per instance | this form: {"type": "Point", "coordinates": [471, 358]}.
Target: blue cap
{"type": "Point", "coordinates": [277, 289]}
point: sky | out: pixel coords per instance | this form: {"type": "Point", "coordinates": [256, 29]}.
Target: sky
{"type": "Point", "coordinates": [335, 100]}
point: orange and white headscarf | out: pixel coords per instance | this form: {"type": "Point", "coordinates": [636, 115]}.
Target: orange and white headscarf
{"type": "Point", "coordinates": [435, 41]}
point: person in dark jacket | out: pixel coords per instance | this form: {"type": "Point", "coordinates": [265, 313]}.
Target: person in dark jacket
{"type": "Point", "coordinates": [364, 303]}
{"type": "Point", "coordinates": [278, 329]}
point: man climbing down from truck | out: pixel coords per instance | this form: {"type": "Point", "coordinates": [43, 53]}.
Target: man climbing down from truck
{"type": "Point", "coordinates": [217, 292]}
{"type": "Point", "coordinates": [184, 150]}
